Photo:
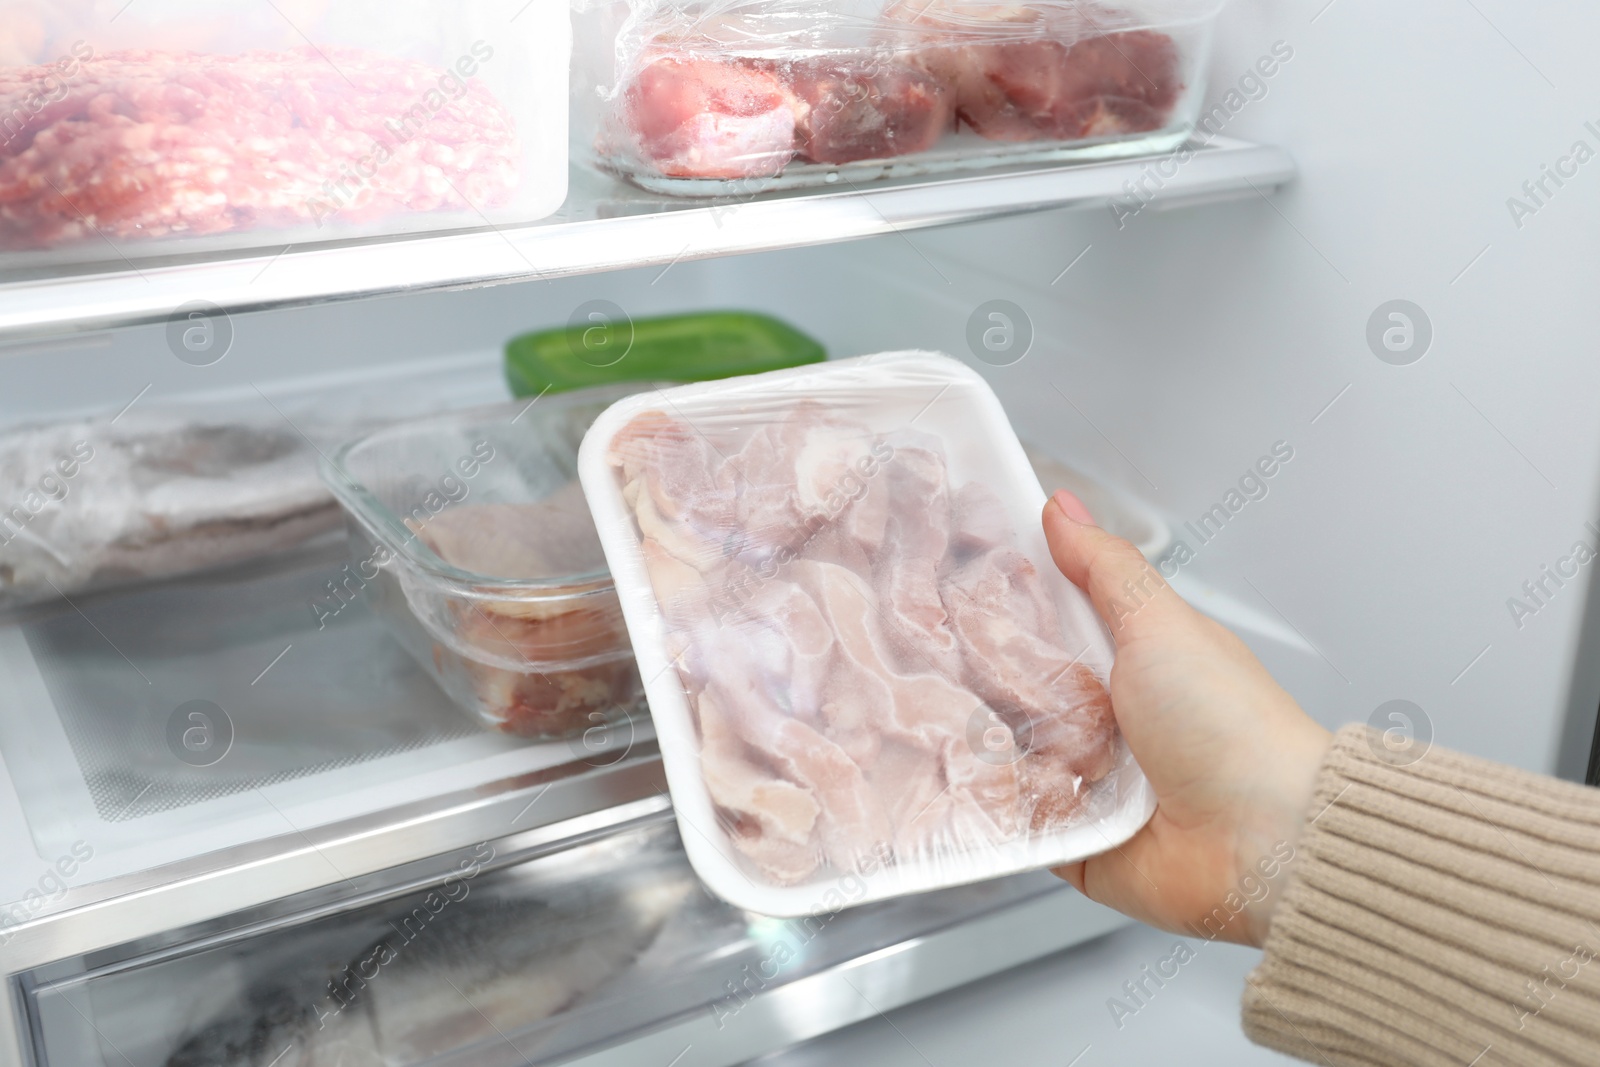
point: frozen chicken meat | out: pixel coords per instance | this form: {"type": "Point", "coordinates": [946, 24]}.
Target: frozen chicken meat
{"type": "Point", "coordinates": [872, 664]}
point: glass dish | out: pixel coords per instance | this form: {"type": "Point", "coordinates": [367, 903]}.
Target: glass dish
{"type": "Point", "coordinates": [738, 97]}
{"type": "Point", "coordinates": [471, 536]}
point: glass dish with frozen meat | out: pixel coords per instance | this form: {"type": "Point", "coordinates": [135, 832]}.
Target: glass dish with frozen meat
{"type": "Point", "coordinates": [861, 662]}
{"type": "Point", "coordinates": [471, 534]}
{"type": "Point", "coordinates": [728, 97]}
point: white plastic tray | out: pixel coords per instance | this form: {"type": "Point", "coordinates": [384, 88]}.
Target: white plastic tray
{"type": "Point", "coordinates": [887, 391]}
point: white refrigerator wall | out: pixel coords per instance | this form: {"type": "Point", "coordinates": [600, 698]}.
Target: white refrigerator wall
{"type": "Point", "coordinates": [1173, 349]}
{"type": "Point", "coordinates": [1421, 500]}
{"type": "Point", "coordinates": [1419, 503]}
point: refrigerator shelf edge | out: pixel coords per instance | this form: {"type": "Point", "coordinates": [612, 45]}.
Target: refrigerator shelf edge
{"type": "Point", "coordinates": [606, 226]}
{"type": "Point", "coordinates": [728, 1000]}
{"type": "Point", "coordinates": [557, 804]}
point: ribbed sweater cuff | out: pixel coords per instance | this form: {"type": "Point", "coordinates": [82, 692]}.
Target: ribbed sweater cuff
{"type": "Point", "coordinates": [1445, 912]}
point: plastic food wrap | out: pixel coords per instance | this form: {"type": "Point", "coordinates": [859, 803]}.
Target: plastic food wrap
{"type": "Point", "coordinates": [145, 495]}
{"type": "Point", "coordinates": [471, 534]}
{"type": "Point", "coordinates": [729, 96]}
{"type": "Point", "coordinates": [204, 124]}
{"type": "Point", "coordinates": [861, 662]}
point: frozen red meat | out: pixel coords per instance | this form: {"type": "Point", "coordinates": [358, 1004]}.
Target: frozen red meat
{"type": "Point", "coordinates": [1027, 72]}
{"type": "Point", "coordinates": [872, 666]}
{"type": "Point", "coordinates": [155, 144]}
{"type": "Point", "coordinates": [543, 667]}
{"type": "Point", "coordinates": [747, 94]}
{"type": "Point", "coordinates": [718, 117]}
{"type": "Point", "coordinates": [866, 106]}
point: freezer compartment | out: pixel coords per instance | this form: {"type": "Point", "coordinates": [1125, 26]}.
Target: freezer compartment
{"type": "Point", "coordinates": [180, 127]}
{"type": "Point", "coordinates": [744, 97]}
{"type": "Point", "coordinates": [504, 958]}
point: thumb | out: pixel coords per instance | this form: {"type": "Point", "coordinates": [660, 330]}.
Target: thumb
{"type": "Point", "coordinates": [1128, 593]}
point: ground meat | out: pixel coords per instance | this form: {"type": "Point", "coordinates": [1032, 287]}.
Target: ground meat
{"type": "Point", "coordinates": [149, 144]}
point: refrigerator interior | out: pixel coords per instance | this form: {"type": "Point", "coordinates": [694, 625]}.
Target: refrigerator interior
{"type": "Point", "coordinates": [1168, 351]}
{"type": "Point", "coordinates": [1169, 389]}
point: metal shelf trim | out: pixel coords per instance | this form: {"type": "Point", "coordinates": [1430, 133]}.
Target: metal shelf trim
{"type": "Point", "coordinates": [694, 230]}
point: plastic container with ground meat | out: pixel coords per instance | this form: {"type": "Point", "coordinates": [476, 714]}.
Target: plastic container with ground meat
{"type": "Point", "coordinates": [470, 534]}
{"type": "Point", "coordinates": [866, 675]}
{"type": "Point", "coordinates": [733, 97]}
{"type": "Point", "coordinates": [170, 127]}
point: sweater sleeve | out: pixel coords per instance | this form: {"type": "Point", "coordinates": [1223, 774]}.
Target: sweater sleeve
{"type": "Point", "coordinates": [1443, 912]}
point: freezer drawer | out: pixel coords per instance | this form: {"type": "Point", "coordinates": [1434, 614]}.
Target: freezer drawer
{"type": "Point", "coordinates": [603, 948]}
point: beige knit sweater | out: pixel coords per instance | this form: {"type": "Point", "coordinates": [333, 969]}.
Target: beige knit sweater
{"type": "Point", "coordinates": [1443, 912]}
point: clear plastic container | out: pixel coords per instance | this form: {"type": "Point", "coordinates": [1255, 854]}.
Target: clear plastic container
{"type": "Point", "coordinates": [863, 668]}
{"type": "Point", "coordinates": [732, 97]}
{"type": "Point", "coordinates": [471, 536]}
{"type": "Point", "coordinates": [196, 126]}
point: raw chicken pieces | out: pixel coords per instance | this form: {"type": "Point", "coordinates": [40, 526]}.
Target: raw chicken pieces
{"type": "Point", "coordinates": [724, 101]}
{"type": "Point", "coordinates": [873, 667]}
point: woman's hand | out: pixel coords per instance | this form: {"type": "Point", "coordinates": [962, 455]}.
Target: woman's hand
{"type": "Point", "coordinates": [1231, 756]}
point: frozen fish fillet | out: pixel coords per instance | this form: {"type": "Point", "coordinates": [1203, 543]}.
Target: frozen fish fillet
{"type": "Point", "coordinates": [93, 503]}
{"type": "Point", "coordinates": [448, 975]}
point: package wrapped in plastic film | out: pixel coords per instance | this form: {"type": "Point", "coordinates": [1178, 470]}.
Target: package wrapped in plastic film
{"type": "Point", "coordinates": [861, 662]}
{"type": "Point", "coordinates": [150, 494]}
{"type": "Point", "coordinates": [722, 97]}
{"type": "Point", "coordinates": [176, 126]}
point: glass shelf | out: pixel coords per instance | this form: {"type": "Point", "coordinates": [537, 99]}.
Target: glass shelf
{"type": "Point", "coordinates": [604, 225]}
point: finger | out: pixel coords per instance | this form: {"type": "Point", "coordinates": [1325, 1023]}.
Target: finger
{"type": "Point", "coordinates": [1071, 873]}
{"type": "Point", "coordinates": [1128, 593]}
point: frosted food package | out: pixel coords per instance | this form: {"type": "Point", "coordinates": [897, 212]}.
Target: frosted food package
{"type": "Point", "coordinates": [724, 97]}
{"type": "Point", "coordinates": [172, 126]}
{"type": "Point", "coordinates": [862, 665]}
{"type": "Point", "coordinates": [471, 534]}
{"type": "Point", "coordinates": [148, 495]}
